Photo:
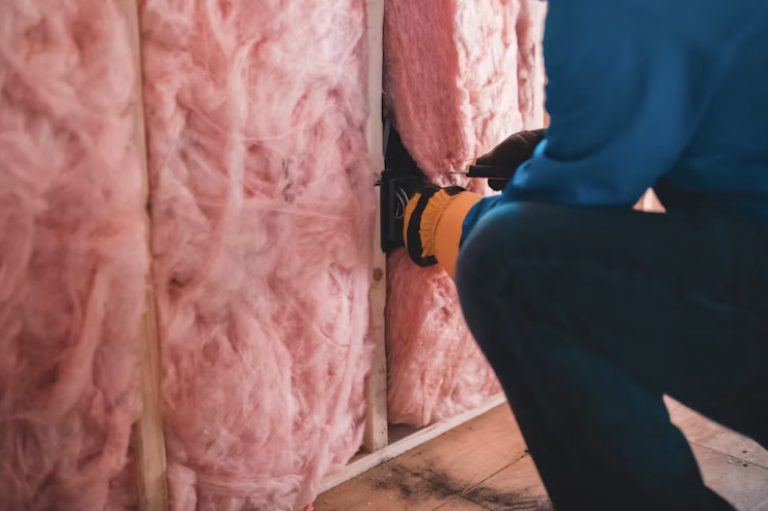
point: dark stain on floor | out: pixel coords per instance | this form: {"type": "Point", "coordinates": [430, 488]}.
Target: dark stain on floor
{"type": "Point", "coordinates": [508, 501]}
{"type": "Point", "coordinates": [437, 483]}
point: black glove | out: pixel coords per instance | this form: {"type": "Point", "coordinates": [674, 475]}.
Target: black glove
{"type": "Point", "coordinates": [500, 164]}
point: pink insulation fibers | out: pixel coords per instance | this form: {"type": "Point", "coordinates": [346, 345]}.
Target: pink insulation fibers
{"type": "Point", "coordinates": [435, 368]}
{"type": "Point", "coordinates": [461, 75]}
{"type": "Point", "coordinates": [263, 222]}
{"type": "Point", "coordinates": [73, 256]}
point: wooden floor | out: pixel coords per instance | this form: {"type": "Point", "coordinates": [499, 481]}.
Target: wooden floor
{"type": "Point", "coordinates": [483, 465]}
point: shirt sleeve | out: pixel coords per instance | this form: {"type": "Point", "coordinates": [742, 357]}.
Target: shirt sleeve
{"type": "Point", "coordinates": [624, 92]}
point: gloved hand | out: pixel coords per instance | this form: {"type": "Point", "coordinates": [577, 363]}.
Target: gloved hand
{"type": "Point", "coordinates": [433, 224]}
{"type": "Point", "coordinates": [500, 164]}
{"type": "Point", "coordinates": [422, 214]}
{"type": "Point", "coordinates": [433, 217]}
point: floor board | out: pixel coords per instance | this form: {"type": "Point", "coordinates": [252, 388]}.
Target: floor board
{"type": "Point", "coordinates": [743, 484]}
{"type": "Point", "coordinates": [517, 487]}
{"type": "Point", "coordinates": [483, 465]}
{"type": "Point", "coordinates": [704, 432]}
{"type": "Point", "coordinates": [470, 453]}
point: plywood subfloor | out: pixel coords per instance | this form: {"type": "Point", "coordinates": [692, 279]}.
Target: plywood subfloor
{"type": "Point", "coordinates": [483, 465]}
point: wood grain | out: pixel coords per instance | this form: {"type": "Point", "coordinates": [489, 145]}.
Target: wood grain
{"type": "Point", "coordinates": [471, 452]}
{"type": "Point", "coordinates": [387, 487]}
{"type": "Point", "coordinates": [745, 485]}
{"type": "Point", "coordinates": [148, 434]}
{"type": "Point", "coordinates": [707, 433]}
{"type": "Point", "coordinates": [482, 464]}
{"type": "Point", "coordinates": [517, 486]}
{"type": "Point", "coordinates": [399, 444]}
{"type": "Point", "coordinates": [376, 423]}
{"type": "Point", "coordinates": [436, 474]}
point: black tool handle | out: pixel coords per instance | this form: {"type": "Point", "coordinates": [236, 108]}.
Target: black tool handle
{"type": "Point", "coordinates": [490, 171]}
{"type": "Point", "coordinates": [499, 165]}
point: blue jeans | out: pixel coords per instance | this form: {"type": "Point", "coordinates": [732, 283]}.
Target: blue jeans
{"type": "Point", "coordinates": [589, 315]}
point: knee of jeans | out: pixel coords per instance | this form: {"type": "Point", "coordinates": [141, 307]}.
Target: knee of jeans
{"type": "Point", "coordinates": [471, 269]}
{"type": "Point", "coordinates": [513, 230]}
{"type": "Point", "coordinates": [484, 265]}
{"type": "Point", "coordinates": [494, 266]}
{"type": "Point", "coordinates": [482, 256]}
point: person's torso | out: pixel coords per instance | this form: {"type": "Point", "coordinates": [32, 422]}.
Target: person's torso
{"type": "Point", "coordinates": [725, 166]}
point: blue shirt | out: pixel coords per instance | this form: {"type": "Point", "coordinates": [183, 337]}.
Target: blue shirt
{"type": "Point", "coordinates": [669, 94]}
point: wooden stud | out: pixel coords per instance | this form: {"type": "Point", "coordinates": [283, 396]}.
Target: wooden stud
{"type": "Point", "coordinates": [149, 436]}
{"type": "Point", "coordinates": [375, 436]}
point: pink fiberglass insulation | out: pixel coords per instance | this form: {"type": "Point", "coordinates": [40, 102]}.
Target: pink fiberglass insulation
{"type": "Point", "coordinates": [73, 256]}
{"type": "Point", "coordinates": [461, 75]}
{"type": "Point", "coordinates": [263, 222]}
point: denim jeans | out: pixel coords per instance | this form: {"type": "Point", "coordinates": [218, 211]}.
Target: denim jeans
{"type": "Point", "coordinates": [589, 315]}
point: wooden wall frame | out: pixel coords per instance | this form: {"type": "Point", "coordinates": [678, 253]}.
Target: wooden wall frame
{"type": "Point", "coordinates": [379, 443]}
{"type": "Point", "coordinates": [376, 424]}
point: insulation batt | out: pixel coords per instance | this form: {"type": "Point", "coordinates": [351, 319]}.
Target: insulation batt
{"type": "Point", "coordinates": [262, 233]}
{"type": "Point", "coordinates": [73, 256]}
{"type": "Point", "coordinates": [461, 75]}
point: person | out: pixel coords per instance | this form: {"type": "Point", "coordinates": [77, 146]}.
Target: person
{"type": "Point", "coordinates": [589, 311]}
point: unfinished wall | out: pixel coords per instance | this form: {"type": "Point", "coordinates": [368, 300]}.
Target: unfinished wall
{"type": "Point", "coordinates": [262, 213]}
{"type": "Point", "coordinates": [461, 75]}
{"type": "Point", "coordinates": [73, 256]}
{"type": "Point", "coordinates": [262, 223]}
{"type": "Point", "coordinates": [262, 220]}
